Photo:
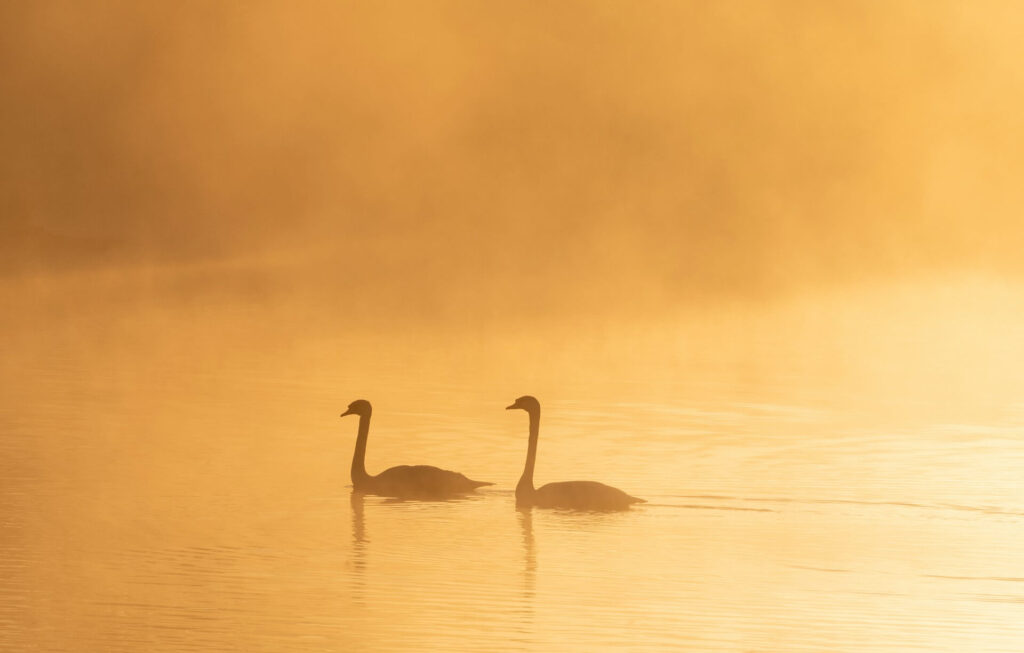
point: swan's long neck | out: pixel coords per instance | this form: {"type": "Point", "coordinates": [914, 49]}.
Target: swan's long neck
{"type": "Point", "coordinates": [525, 485]}
{"type": "Point", "coordinates": [358, 458]}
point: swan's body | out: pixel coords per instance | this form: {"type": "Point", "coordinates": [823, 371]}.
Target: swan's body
{"type": "Point", "coordinates": [578, 495]}
{"type": "Point", "coordinates": [411, 481]}
{"type": "Point", "coordinates": [581, 495]}
{"type": "Point", "coordinates": [417, 481]}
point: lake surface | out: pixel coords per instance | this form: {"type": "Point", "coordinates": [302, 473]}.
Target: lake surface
{"type": "Point", "coordinates": [178, 481]}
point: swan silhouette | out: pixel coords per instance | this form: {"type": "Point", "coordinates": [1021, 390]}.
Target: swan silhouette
{"type": "Point", "coordinates": [403, 481]}
{"type": "Point", "coordinates": [579, 495]}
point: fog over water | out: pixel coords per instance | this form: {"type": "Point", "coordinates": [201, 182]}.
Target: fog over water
{"type": "Point", "coordinates": [760, 262]}
{"type": "Point", "coordinates": [575, 156]}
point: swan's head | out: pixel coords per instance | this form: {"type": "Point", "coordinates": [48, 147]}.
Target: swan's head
{"type": "Point", "coordinates": [527, 403]}
{"type": "Point", "coordinates": [358, 407]}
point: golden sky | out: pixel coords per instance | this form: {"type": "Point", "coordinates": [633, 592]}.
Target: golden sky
{"type": "Point", "coordinates": [576, 152]}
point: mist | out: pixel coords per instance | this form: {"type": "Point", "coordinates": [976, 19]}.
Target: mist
{"type": "Point", "coordinates": [454, 158]}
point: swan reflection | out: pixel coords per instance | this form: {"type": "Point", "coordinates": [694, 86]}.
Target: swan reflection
{"type": "Point", "coordinates": [529, 592]}
{"type": "Point", "coordinates": [359, 542]}
{"type": "Point", "coordinates": [529, 547]}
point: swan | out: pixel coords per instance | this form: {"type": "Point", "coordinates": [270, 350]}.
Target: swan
{"type": "Point", "coordinates": [580, 495]}
{"type": "Point", "coordinates": [412, 481]}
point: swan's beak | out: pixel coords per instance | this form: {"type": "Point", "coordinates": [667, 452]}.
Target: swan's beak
{"type": "Point", "coordinates": [347, 412]}
{"type": "Point", "coordinates": [511, 407]}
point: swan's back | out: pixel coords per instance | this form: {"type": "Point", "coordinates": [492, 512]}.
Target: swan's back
{"type": "Point", "coordinates": [421, 481]}
{"type": "Point", "coordinates": [582, 495]}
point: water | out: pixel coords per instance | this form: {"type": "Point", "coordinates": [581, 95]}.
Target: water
{"type": "Point", "coordinates": [178, 482]}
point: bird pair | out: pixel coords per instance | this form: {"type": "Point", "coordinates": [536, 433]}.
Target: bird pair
{"type": "Point", "coordinates": [427, 482]}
